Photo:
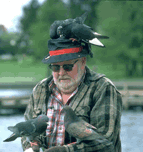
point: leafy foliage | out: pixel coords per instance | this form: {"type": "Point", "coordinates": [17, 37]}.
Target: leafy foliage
{"type": "Point", "coordinates": [122, 21]}
{"type": "Point", "coordinates": [46, 15]}
{"type": "Point", "coordinates": [29, 18]}
{"type": "Point", "coordinates": [8, 43]}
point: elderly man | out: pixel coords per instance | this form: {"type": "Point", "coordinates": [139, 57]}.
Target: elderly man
{"type": "Point", "coordinates": [92, 96]}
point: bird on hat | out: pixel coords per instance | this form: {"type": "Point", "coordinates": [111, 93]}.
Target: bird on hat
{"type": "Point", "coordinates": [75, 29]}
{"type": "Point", "coordinates": [71, 39]}
{"type": "Point", "coordinates": [54, 27]}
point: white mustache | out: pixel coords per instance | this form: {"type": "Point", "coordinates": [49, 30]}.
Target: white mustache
{"type": "Point", "coordinates": [60, 78]}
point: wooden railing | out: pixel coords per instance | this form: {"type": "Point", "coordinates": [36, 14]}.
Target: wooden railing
{"type": "Point", "coordinates": [14, 102]}
{"type": "Point", "coordinates": [132, 93]}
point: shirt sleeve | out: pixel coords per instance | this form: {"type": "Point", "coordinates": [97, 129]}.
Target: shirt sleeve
{"type": "Point", "coordinates": [34, 108]}
{"type": "Point", "coordinates": [105, 116]}
{"type": "Point", "coordinates": [27, 115]}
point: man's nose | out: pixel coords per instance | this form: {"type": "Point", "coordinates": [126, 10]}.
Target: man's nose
{"type": "Point", "coordinates": [61, 71]}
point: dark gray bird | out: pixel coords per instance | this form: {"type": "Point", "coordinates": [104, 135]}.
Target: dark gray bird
{"type": "Point", "coordinates": [53, 29]}
{"type": "Point", "coordinates": [30, 128]}
{"type": "Point", "coordinates": [75, 29]}
{"type": "Point", "coordinates": [54, 32]}
{"type": "Point", "coordinates": [77, 127]}
{"type": "Point", "coordinates": [80, 32]}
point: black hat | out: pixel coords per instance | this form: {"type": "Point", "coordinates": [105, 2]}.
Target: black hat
{"type": "Point", "coordinates": [62, 49]}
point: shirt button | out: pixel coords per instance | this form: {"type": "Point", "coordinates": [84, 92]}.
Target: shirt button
{"type": "Point", "coordinates": [60, 128]}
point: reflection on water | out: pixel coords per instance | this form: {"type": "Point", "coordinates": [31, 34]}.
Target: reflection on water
{"type": "Point", "coordinates": [14, 92]}
{"type": "Point", "coordinates": [10, 120]}
{"type": "Point", "coordinates": [131, 132]}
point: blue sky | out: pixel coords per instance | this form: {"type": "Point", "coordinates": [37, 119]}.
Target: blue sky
{"type": "Point", "coordinates": [10, 12]}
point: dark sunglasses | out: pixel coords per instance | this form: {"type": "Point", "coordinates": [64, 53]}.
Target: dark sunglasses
{"type": "Point", "coordinates": [66, 67]}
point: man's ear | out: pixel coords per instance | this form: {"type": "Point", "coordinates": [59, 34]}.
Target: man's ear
{"type": "Point", "coordinates": [83, 60]}
{"type": "Point", "coordinates": [83, 63]}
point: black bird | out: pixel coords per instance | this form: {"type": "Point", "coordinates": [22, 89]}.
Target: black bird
{"type": "Point", "coordinates": [75, 29]}
{"type": "Point", "coordinates": [80, 32]}
{"type": "Point", "coordinates": [53, 29]}
{"type": "Point", "coordinates": [30, 128]}
{"type": "Point", "coordinates": [54, 32]}
{"type": "Point", "coordinates": [77, 127]}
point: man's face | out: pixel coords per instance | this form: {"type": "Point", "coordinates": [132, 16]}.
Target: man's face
{"type": "Point", "coordinates": [67, 81]}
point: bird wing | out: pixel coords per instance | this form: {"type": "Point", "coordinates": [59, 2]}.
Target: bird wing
{"type": "Point", "coordinates": [87, 26]}
{"type": "Point", "coordinates": [82, 32]}
{"type": "Point", "coordinates": [89, 125]}
{"type": "Point", "coordinates": [11, 138]}
{"type": "Point", "coordinates": [34, 127]}
{"type": "Point", "coordinates": [27, 128]}
{"type": "Point", "coordinates": [80, 131]}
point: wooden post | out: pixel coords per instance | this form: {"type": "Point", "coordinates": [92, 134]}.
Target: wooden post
{"type": "Point", "coordinates": [126, 96]}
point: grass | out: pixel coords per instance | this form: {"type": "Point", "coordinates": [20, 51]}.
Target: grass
{"type": "Point", "coordinates": [22, 71]}
{"type": "Point", "coordinates": [28, 71]}
{"type": "Point", "coordinates": [108, 69]}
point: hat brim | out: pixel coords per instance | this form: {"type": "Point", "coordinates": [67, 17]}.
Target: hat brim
{"type": "Point", "coordinates": [63, 57]}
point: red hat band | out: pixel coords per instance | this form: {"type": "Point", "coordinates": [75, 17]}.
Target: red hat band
{"type": "Point", "coordinates": [66, 51]}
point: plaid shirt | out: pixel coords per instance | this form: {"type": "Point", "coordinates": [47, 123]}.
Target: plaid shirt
{"type": "Point", "coordinates": [97, 101]}
{"type": "Point", "coordinates": [56, 129]}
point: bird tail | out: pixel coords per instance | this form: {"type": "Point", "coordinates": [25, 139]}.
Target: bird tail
{"type": "Point", "coordinates": [11, 128]}
{"type": "Point", "coordinates": [95, 41]}
{"type": "Point", "coordinates": [99, 36]}
{"type": "Point", "coordinates": [11, 138]}
{"type": "Point", "coordinates": [83, 17]}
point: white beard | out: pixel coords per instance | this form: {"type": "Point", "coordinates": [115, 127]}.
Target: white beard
{"type": "Point", "coordinates": [69, 85]}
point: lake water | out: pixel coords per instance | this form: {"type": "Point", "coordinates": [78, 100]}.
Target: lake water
{"type": "Point", "coordinates": [131, 131]}
{"type": "Point", "coordinates": [15, 92]}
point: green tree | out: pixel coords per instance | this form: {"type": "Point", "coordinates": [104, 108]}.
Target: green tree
{"type": "Point", "coordinates": [122, 22]}
{"type": "Point", "coordinates": [78, 7]}
{"type": "Point", "coordinates": [46, 15]}
{"type": "Point", "coordinates": [28, 18]}
{"type": "Point", "coordinates": [8, 43]}
{"type": "Point", "coordinates": [57, 10]}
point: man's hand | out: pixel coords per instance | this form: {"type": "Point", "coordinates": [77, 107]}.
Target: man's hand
{"type": "Point", "coordinates": [35, 146]}
{"type": "Point", "coordinates": [56, 149]}
{"type": "Point", "coordinates": [29, 150]}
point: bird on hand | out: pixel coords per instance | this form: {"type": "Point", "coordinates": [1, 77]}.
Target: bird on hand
{"type": "Point", "coordinates": [77, 127]}
{"type": "Point", "coordinates": [30, 128]}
